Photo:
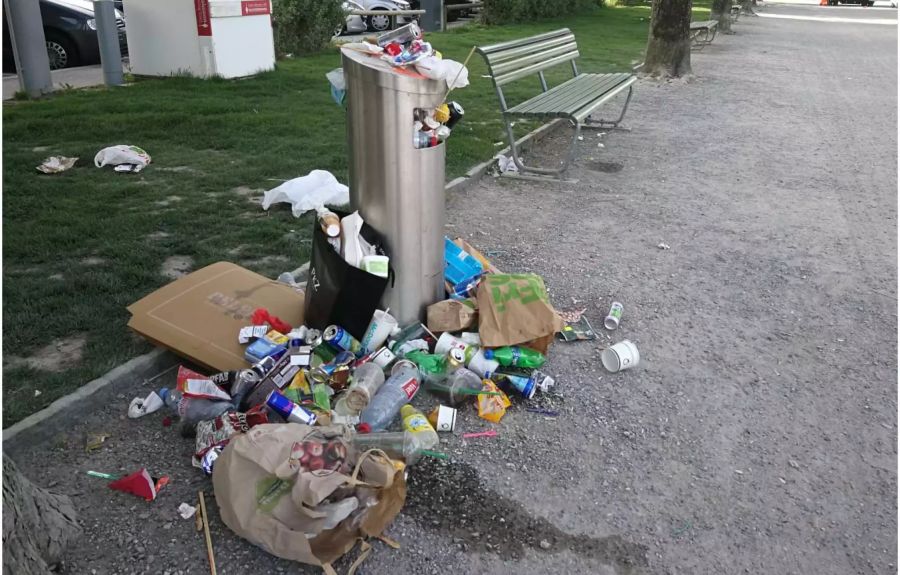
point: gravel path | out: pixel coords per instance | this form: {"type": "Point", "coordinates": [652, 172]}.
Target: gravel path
{"type": "Point", "coordinates": [759, 433]}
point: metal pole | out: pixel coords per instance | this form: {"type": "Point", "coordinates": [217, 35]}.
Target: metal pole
{"type": "Point", "coordinates": [26, 32]}
{"type": "Point", "coordinates": [432, 19]}
{"type": "Point", "coordinates": [108, 38]}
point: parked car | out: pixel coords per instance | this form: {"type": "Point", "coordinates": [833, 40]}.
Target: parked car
{"type": "Point", "coordinates": [70, 32]}
{"type": "Point", "coordinates": [383, 22]}
{"type": "Point", "coordinates": [860, 2]}
{"type": "Point", "coordinates": [353, 24]}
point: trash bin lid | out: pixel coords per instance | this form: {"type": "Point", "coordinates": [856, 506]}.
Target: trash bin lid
{"type": "Point", "coordinates": [367, 68]}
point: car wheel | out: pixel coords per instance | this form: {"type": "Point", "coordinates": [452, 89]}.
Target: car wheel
{"type": "Point", "coordinates": [60, 51]}
{"type": "Point", "coordinates": [339, 30]}
{"type": "Point", "coordinates": [380, 22]}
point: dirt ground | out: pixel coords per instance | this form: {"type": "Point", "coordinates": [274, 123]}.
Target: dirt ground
{"type": "Point", "coordinates": [758, 434]}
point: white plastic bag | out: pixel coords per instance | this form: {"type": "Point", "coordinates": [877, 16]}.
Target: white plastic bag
{"type": "Point", "coordinates": [135, 158]}
{"type": "Point", "coordinates": [452, 72]}
{"type": "Point", "coordinates": [353, 246]}
{"type": "Point", "coordinates": [309, 192]}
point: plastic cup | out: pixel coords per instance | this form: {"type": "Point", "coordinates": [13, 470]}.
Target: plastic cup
{"type": "Point", "coordinates": [482, 366]}
{"type": "Point", "coordinates": [448, 341]}
{"type": "Point", "coordinates": [378, 331]}
{"type": "Point", "coordinates": [621, 356]}
{"type": "Point", "coordinates": [446, 418]}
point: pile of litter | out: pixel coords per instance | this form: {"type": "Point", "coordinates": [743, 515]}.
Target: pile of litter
{"type": "Point", "coordinates": [301, 407]}
{"type": "Point", "coordinates": [308, 433]}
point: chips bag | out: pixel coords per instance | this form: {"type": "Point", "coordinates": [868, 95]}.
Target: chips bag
{"type": "Point", "coordinates": [492, 407]}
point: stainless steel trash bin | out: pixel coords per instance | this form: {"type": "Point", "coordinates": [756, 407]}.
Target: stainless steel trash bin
{"type": "Point", "coordinates": [398, 189]}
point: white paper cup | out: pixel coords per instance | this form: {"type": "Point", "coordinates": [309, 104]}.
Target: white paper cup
{"type": "Point", "coordinates": [378, 331]}
{"type": "Point", "coordinates": [482, 366]}
{"type": "Point", "coordinates": [446, 418]}
{"type": "Point", "coordinates": [621, 356]}
{"type": "Point", "coordinates": [447, 341]}
{"type": "Point", "coordinates": [383, 358]}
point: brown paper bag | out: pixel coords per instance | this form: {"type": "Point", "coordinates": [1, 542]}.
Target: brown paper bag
{"type": "Point", "coordinates": [452, 315]}
{"type": "Point", "coordinates": [514, 309]}
{"type": "Point", "coordinates": [264, 497]}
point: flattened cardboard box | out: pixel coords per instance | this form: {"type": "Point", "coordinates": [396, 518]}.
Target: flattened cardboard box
{"type": "Point", "coordinates": [200, 315]}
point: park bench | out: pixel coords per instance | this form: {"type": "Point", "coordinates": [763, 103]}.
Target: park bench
{"type": "Point", "coordinates": [575, 100]}
{"type": "Point", "coordinates": [736, 11]}
{"type": "Point", "coordinates": [703, 33]}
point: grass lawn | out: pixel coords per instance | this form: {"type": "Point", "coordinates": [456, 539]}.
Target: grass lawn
{"type": "Point", "coordinates": [79, 247]}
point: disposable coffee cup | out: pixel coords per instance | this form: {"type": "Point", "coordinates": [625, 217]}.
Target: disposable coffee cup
{"type": "Point", "coordinates": [378, 331]}
{"type": "Point", "coordinates": [448, 341]}
{"type": "Point", "coordinates": [383, 358]}
{"type": "Point", "coordinates": [446, 418]}
{"type": "Point", "coordinates": [482, 366]}
{"type": "Point", "coordinates": [621, 356]}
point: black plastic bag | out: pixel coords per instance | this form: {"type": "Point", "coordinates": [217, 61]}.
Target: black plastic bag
{"type": "Point", "coordinates": [338, 293]}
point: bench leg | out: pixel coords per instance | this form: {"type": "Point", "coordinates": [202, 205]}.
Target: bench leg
{"type": "Point", "coordinates": [606, 124]}
{"type": "Point", "coordinates": [554, 172]}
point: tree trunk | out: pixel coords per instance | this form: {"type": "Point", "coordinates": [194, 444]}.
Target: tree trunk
{"type": "Point", "coordinates": [721, 11]}
{"type": "Point", "coordinates": [669, 43]}
{"type": "Point", "coordinates": [37, 524]}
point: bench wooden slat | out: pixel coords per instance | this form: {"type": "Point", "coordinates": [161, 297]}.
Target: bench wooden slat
{"type": "Point", "coordinates": [583, 113]}
{"type": "Point", "coordinates": [511, 65]}
{"type": "Point", "coordinates": [607, 83]}
{"type": "Point", "coordinates": [534, 68]}
{"type": "Point", "coordinates": [570, 96]}
{"type": "Point", "coordinates": [488, 50]}
{"type": "Point", "coordinates": [496, 57]}
{"type": "Point", "coordinates": [704, 24]}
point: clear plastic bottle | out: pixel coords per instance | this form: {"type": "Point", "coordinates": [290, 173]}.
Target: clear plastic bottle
{"type": "Point", "coordinates": [397, 444]}
{"type": "Point", "coordinates": [193, 409]}
{"type": "Point", "coordinates": [367, 379]}
{"type": "Point", "coordinates": [396, 392]}
{"type": "Point", "coordinates": [415, 422]}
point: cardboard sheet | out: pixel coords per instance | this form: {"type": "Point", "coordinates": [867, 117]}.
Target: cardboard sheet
{"type": "Point", "coordinates": [200, 315]}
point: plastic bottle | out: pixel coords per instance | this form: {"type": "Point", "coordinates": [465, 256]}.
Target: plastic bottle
{"type": "Point", "coordinates": [193, 409]}
{"type": "Point", "coordinates": [415, 422]}
{"type": "Point", "coordinates": [397, 444]}
{"type": "Point", "coordinates": [454, 389]}
{"type": "Point", "coordinates": [367, 379]}
{"type": "Point", "coordinates": [432, 366]}
{"type": "Point", "coordinates": [396, 392]}
{"type": "Point", "coordinates": [517, 356]}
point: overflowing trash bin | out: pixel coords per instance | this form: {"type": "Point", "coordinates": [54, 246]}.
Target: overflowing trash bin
{"type": "Point", "coordinates": [313, 410]}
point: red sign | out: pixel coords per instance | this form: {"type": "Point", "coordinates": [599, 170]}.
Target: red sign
{"type": "Point", "coordinates": [254, 7]}
{"type": "Point", "coordinates": [201, 11]}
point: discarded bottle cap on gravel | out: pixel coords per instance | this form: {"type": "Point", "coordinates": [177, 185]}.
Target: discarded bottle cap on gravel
{"type": "Point", "coordinates": [621, 356]}
{"type": "Point", "coordinates": [615, 314]}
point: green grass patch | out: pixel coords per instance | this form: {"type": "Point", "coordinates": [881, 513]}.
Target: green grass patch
{"type": "Point", "coordinates": [82, 245]}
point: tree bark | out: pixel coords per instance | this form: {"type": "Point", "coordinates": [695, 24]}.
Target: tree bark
{"type": "Point", "coordinates": [721, 11]}
{"type": "Point", "coordinates": [38, 524]}
{"type": "Point", "coordinates": [669, 42]}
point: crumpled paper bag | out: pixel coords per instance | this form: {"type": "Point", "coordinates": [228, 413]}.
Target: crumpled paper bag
{"type": "Point", "coordinates": [514, 309]}
{"type": "Point", "coordinates": [452, 315]}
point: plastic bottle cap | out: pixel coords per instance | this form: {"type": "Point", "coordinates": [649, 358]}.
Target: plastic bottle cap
{"type": "Point", "coordinates": [163, 394]}
{"type": "Point", "coordinates": [488, 354]}
{"type": "Point", "coordinates": [363, 428]}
